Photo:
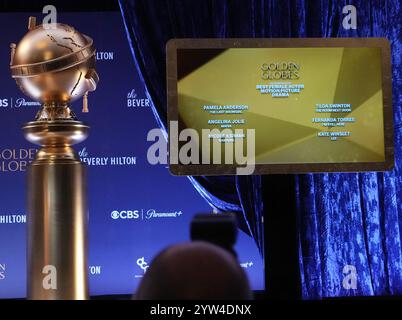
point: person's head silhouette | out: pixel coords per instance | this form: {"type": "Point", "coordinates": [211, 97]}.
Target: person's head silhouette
{"type": "Point", "coordinates": [194, 270]}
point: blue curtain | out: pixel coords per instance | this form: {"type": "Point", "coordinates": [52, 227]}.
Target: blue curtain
{"type": "Point", "coordinates": [344, 219]}
{"type": "Point", "coordinates": [149, 25]}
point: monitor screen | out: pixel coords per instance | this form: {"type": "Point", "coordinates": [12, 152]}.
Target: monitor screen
{"type": "Point", "coordinates": [288, 105]}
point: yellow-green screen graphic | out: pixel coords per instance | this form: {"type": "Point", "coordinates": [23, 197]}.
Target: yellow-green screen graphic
{"type": "Point", "coordinates": [307, 105]}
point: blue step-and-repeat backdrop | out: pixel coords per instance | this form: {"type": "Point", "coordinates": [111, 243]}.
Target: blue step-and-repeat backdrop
{"type": "Point", "coordinates": [126, 193]}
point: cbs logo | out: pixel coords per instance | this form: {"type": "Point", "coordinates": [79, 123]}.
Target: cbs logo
{"type": "Point", "coordinates": [3, 103]}
{"type": "Point", "coordinates": [125, 214]}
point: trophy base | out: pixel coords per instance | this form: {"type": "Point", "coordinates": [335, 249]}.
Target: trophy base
{"type": "Point", "coordinates": [57, 213]}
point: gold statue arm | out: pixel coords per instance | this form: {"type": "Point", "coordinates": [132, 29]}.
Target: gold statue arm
{"type": "Point", "coordinates": [12, 47]}
{"type": "Point", "coordinates": [92, 80]}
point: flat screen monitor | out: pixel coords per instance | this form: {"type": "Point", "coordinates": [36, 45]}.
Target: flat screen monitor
{"type": "Point", "coordinates": [284, 105]}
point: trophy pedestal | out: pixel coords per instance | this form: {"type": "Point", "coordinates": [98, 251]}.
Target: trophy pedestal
{"type": "Point", "coordinates": [57, 213]}
{"type": "Point", "coordinates": [56, 66]}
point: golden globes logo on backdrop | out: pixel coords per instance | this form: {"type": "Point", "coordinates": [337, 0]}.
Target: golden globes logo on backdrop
{"type": "Point", "coordinates": [280, 71]}
{"type": "Point", "coordinates": [15, 160]}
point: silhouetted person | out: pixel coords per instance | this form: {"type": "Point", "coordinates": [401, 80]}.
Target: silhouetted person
{"type": "Point", "coordinates": [194, 270]}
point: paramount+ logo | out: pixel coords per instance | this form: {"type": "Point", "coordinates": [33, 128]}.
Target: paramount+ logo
{"type": "Point", "coordinates": [143, 214]}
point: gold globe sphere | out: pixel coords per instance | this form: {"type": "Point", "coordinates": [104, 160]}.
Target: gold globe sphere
{"type": "Point", "coordinates": [54, 64]}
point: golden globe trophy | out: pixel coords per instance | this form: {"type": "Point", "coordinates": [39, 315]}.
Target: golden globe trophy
{"type": "Point", "coordinates": [55, 64]}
